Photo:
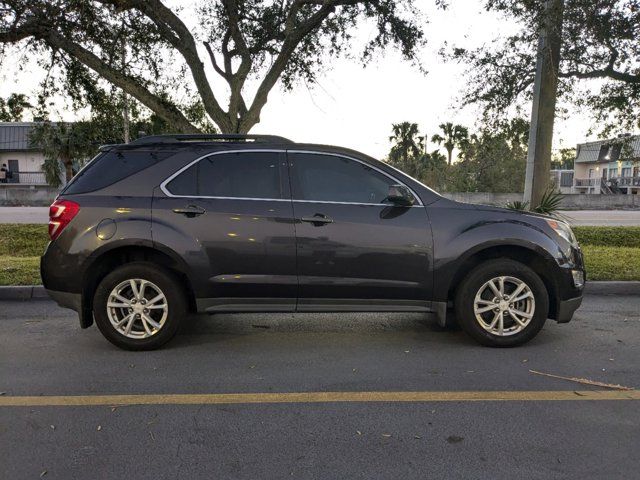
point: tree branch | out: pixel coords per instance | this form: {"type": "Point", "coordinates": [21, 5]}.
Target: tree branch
{"type": "Point", "coordinates": [170, 113]}
{"type": "Point", "coordinates": [294, 35]}
{"type": "Point", "coordinates": [608, 72]}
{"type": "Point", "coordinates": [238, 79]}
{"type": "Point", "coordinates": [178, 35]}
{"type": "Point", "coordinates": [212, 57]}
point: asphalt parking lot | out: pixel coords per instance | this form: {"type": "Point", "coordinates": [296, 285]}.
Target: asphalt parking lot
{"type": "Point", "coordinates": [524, 425]}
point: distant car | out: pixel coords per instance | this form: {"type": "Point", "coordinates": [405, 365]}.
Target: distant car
{"type": "Point", "coordinates": [167, 225]}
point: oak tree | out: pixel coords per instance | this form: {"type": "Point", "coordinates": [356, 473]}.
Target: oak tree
{"type": "Point", "coordinates": [161, 55]}
{"type": "Point", "coordinates": [600, 41]}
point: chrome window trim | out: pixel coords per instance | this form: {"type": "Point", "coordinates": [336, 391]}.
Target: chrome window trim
{"type": "Point", "coordinates": [163, 185]}
{"type": "Point", "coordinates": [331, 154]}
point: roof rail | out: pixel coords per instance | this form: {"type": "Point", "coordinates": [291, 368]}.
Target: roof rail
{"type": "Point", "coordinates": [209, 137]}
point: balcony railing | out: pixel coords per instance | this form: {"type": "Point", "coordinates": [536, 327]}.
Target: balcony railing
{"type": "Point", "coordinates": [26, 178]}
{"type": "Point", "coordinates": [613, 182]}
{"type": "Point", "coordinates": [587, 182]}
{"type": "Point", "coordinates": [627, 181]}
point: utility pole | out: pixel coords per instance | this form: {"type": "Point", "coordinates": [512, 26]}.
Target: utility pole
{"type": "Point", "coordinates": [543, 111]}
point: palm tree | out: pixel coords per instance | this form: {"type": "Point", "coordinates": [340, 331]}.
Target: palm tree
{"type": "Point", "coordinates": [68, 144]}
{"type": "Point", "coordinates": [454, 136]}
{"type": "Point", "coordinates": [406, 143]}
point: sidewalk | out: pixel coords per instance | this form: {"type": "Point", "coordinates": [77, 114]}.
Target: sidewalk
{"type": "Point", "coordinates": [613, 218]}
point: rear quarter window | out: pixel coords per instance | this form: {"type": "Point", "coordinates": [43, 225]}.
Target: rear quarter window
{"type": "Point", "coordinates": [111, 167]}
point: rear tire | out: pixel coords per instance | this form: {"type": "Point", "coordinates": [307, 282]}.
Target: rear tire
{"type": "Point", "coordinates": [502, 303]}
{"type": "Point", "coordinates": [139, 306]}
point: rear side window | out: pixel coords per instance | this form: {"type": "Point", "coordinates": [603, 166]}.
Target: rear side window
{"type": "Point", "coordinates": [231, 175]}
{"type": "Point", "coordinates": [111, 167]}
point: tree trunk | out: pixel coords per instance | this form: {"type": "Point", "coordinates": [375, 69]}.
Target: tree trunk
{"type": "Point", "coordinates": [449, 156]}
{"type": "Point", "coordinates": [68, 168]}
{"type": "Point", "coordinates": [544, 104]}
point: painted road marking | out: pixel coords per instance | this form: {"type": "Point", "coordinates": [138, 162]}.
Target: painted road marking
{"type": "Point", "coordinates": [315, 397]}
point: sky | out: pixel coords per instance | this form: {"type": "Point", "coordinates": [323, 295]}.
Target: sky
{"type": "Point", "coordinates": [353, 106]}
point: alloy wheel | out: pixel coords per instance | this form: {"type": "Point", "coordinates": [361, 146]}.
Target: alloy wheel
{"type": "Point", "coordinates": [504, 306]}
{"type": "Point", "coordinates": [137, 308]}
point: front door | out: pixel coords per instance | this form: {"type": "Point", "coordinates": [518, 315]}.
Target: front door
{"type": "Point", "coordinates": [354, 251]}
{"type": "Point", "coordinates": [14, 168]}
{"type": "Point", "coordinates": [230, 216]}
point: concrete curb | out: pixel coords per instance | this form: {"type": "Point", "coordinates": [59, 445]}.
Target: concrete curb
{"type": "Point", "coordinates": [612, 288]}
{"type": "Point", "coordinates": [23, 292]}
{"type": "Point", "coordinates": [28, 292]}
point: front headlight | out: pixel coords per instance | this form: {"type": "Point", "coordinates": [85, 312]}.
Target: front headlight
{"type": "Point", "coordinates": [563, 230]}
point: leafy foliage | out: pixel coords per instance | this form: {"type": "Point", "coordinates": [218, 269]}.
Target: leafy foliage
{"type": "Point", "coordinates": [406, 150]}
{"type": "Point", "coordinates": [492, 160]}
{"type": "Point", "coordinates": [563, 159]}
{"type": "Point", "coordinates": [609, 236]}
{"type": "Point", "coordinates": [518, 205]}
{"type": "Point", "coordinates": [144, 48]}
{"type": "Point", "coordinates": [69, 144]}
{"type": "Point", "coordinates": [600, 42]}
{"type": "Point", "coordinates": [454, 136]}
{"type": "Point", "coordinates": [12, 109]}
{"type": "Point", "coordinates": [549, 203]}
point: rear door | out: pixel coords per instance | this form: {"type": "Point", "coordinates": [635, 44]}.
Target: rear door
{"type": "Point", "coordinates": [356, 252]}
{"type": "Point", "coordinates": [229, 215]}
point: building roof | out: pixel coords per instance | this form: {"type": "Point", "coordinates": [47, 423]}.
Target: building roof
{"type": "Point", "coordinates": [14, 136]}
{"type": "Point", "coordinates": [609, 150]}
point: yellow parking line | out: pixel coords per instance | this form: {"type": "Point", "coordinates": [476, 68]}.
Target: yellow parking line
{"type": "Point", "coordinates": [314, 397]}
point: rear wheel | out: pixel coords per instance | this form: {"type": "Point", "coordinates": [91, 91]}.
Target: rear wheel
{"type": "Point", "coordinates": [502, 303]}
{"type": "Point", "coordinates": [139, 306]}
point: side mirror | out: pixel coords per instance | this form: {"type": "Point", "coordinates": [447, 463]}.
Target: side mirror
{"type": "Point", "coordinates": [400, 195]}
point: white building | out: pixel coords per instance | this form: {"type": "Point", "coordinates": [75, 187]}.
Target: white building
{"type": "Point", "coordinates": [608, 166]}
{"type": "Point", "coordinates": [24, 161]}
{"type": "Point", "coordinates": [563, 180]}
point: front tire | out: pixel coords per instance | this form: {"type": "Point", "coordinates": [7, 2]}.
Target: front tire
{"type": "Point", "coordinates": [139, 306]}
{"type": "Point", "coordinates": [502, 303]}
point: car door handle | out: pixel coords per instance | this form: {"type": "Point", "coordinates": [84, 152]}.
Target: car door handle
{"type": "Point", "coordinates": [317, 220]}
{"type": "Point", "coordinates": [190, 211]}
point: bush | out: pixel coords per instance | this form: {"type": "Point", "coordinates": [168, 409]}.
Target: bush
{"type": "Point", "coordinates": [609, 236]}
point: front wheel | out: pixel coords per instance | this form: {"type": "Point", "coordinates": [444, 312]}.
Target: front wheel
{"type": "Point", "coordinates": [502, 303]}
{"type": "Point", "coordinates": [139, 306]}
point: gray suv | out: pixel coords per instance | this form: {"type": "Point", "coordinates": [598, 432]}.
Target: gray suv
{"type": "Point", "coordinates": [167, 225]}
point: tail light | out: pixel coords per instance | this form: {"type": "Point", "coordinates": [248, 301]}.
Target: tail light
{"type": "Point", "coordinates": [61, 212]}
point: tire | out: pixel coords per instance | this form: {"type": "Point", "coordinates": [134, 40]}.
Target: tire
{"type": "Point", "coordinates": [151, 327]}
{"type": "Point", "coordinates": [522, 320]}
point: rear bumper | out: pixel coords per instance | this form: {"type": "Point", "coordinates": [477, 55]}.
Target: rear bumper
{"type": "Point", "coordinates": [567, 308]}
{"type": "Point", "coordinates": [67, 299]}
{"type": "Point", "coordinates": [74, 302]}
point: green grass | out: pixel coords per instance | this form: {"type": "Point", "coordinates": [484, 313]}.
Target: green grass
{"type": "Point", "coordinates": [19, 270]}
{"type": "Point", "coordinates": [611, 253]}
{"type": "Point", "coordinates": [20, 250]}
{"type": "Point", "coordinates": [20, 240]}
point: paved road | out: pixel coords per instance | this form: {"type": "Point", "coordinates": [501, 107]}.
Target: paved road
{"type": "Point", "coordinates": [43, 353]}
{"type": "Point", "coordinates": [611, 218]}
{"type": "Point", "coordinates": [575, 217]}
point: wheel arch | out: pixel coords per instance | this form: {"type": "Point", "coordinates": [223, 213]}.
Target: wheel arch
{"type": "Point", "coordinates": [104, 261]}
{"type": "Point", "coordinates": [540, 261]}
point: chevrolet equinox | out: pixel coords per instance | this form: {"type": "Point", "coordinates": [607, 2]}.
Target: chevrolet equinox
{"type": "Point", "coordinates": [166, 225]}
